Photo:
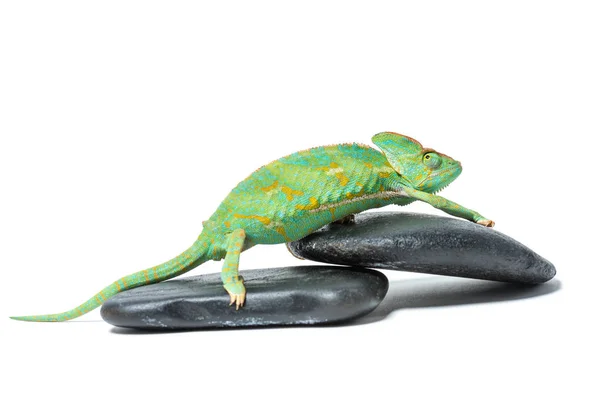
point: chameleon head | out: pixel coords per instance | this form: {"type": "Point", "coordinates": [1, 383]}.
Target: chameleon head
{"type": "Point", "coordinates": [420, 168]}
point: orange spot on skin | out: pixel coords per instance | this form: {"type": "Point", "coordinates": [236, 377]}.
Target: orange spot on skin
{"type": "Point", "coordinates": [332, 211]}
{"type": "Point", "coordinates": [227, 224]}
{"type": "Point", "coordinates": [369, 165]}
{"type": "Point", "coordinates": [178, 264]}
{"type": "Point", "coordinates": [146, 277]}
{"type": "Point", "coordinates": [343, 178]}
{"type": "Point", "coordinates": [353, 195]}
{"type": "Point", "coordinates": [263, 220]}
{"type": "Point", "coordinates": [281, 230]}
{"type": "Point", "coordinates": [384, 174]}
{"type": "Point", "coordinates": [290, 193]}
{"type": "Point", "coordinates": [338, 174]}
{"type": "Point", "coordinates": [313, 204]}
{"type": "Point", "coordinates": [270, 187]}
{"type": "Point", "coordinates": [154, 272]}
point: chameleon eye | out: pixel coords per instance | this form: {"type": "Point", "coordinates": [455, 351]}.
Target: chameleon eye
{"type": "Point", "coordinates": [432, 160]}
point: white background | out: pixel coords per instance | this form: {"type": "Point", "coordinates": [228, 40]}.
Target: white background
{"type": "Point", "coordinates": [124, 124]}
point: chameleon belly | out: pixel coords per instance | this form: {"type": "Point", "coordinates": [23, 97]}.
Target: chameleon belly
{"type": "Point", "coordinates": [295, 195]}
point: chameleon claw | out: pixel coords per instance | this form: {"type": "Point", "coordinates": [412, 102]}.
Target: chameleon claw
{"type": "Point", "coordinates": [237, 298]}
{"type": "Point", "coordinates": [487, 223]}
{"type": "Point", "coordinates": [241, 298]}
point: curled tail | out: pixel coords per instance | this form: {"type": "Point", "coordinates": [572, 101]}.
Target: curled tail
{"type": "Point", "coordinates": [183, 263]}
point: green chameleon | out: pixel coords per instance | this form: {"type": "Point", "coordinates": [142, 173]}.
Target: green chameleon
{"type": "Point", "coordinates": [296, 195]}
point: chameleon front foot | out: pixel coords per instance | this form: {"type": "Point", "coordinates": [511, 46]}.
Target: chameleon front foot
{"type": "Point", "coordinates": [237, 293]}
{"type": "Point", "coordinates": [486, 222]}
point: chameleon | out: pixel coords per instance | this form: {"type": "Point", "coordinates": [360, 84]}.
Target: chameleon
{"type": "Point", "coordinates": [293, 196]}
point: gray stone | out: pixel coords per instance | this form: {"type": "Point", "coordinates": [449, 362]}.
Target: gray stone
{"type": "Point", "coordinates": [306, 295]}
{"type": "Point", "coordinates": [427, 244]}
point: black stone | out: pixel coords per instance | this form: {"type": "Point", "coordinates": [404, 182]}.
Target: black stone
{"type": "Point", "coordinates": [427, 244]}
{"type": "Point", "coordinates": [306, 295]}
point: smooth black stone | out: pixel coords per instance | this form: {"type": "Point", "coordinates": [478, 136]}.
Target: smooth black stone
{"type": "Point", "coordinates": [306, 295]}
{"type": "Point", "coordinates": [427, 244]}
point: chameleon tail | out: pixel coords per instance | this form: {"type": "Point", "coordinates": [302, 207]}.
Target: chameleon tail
{"type": "Point", "coordinates": [186, 261]}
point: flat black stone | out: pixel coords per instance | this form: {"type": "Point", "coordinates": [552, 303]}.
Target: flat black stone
{"type": "Point", "coordinates": [306, 295]}
{"type": "Point", "coordinates": [427, 244]}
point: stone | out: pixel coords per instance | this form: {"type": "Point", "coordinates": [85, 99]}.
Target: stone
{"type": "Point", "coordinates": [306, 295]}
{"type": "Point", "coordinates": [427, 244]}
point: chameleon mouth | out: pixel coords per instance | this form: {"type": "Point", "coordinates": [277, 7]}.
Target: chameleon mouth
{"type": "Point", "coordinates": [451, 171]}
{"type": "Point", "coordinates": [437, 173]}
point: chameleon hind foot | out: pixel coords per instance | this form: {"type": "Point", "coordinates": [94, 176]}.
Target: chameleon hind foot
{"type": "Point", "coordinates": [237, 292]}
{"type": "Point", "coordinates": [347, 220]}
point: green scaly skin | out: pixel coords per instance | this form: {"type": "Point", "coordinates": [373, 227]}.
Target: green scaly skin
{"type": "Point", "coordinates": [296, 195]}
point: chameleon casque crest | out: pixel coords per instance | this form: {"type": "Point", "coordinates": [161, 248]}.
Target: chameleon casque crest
{"type": "Point", "coordinates": [295, 195]}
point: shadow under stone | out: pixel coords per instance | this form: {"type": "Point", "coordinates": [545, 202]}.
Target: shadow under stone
{"type": "Point", "coordinates": [449, 291]}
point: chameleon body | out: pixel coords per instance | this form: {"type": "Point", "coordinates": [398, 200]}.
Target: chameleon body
{"type": "Point", "coordinates": [295, 195]}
